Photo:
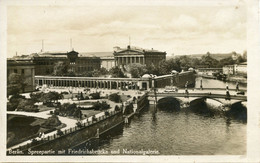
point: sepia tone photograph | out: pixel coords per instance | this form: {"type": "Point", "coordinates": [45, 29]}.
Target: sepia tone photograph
{"type": "Point", "coordinates": [126, 79]}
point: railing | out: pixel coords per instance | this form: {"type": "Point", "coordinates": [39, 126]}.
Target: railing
{"type": "Point", "coordinates": [67, 131]}
{"type": "Point", "coordinates": [243, 98]}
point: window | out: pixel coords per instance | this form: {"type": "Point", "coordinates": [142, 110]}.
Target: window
{"type": "Point", "coordinates": [22, 71]}
{"type": "Point", "coordinates": [15, 70]}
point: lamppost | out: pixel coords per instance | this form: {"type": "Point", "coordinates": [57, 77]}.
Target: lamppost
{"type": "Point", "coordinates": [155, 95]}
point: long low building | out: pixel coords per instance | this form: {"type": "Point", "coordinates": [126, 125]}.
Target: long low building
{"type": "Point", "coordinates": [144, 83]}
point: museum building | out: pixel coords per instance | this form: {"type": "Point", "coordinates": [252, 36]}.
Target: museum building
{"type": "Point", "coordinates": [131, 54]}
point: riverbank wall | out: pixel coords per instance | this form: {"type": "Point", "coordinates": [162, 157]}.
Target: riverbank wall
{"type": "Point", "coordinates": [178, 80]}
{"type": "Point", "coordinates": [142, 103]}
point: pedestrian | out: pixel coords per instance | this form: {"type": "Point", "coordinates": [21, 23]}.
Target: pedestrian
{"type": "Point", "coordinates": [226, 86]}
{"type": "Point", "coordinates": [227, 95]}
{"type": "Point", "coordinates": [201, 84]}
{"type": "Point", "coordinates": [237, 86]}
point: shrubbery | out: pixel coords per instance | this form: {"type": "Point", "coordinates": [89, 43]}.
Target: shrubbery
{"type": "Point", "coordinates": [51, 122]}
{"type": "Point", "coordinates": [101, 105]}
{"type": "Point", "coordinates": [95, 95]}
{"type": "Point", "coordinates": [68, 110]}
{"type": "Point", "coordinates": [20, 103]}
{"type": "Point", "coordinates": [115, 97]}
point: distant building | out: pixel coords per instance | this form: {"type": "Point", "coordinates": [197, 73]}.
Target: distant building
{"type": "Point", "coordinates": [241, 68]}
{"type": "Point", "coordinates": [130, 55]}
{"type": "Point", "coordinates": [236, 69]}
{"type": "Point", "coordinates": [26, 69]}
{"type": "Point", "coordinates": [209, 71]}
{"type": "Point", "coordinates": [45, 61]}
{"type": "Point", "coordinates": [107, 62]}
{"type": "Point", "coordinates": [229, 70]}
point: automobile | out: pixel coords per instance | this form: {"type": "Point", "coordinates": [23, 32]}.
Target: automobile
{"type": "Point", "coordinates": [171, 89]}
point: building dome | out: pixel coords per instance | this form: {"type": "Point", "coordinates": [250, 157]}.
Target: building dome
{"type": "Point", "coordinates": [191, 69]}
{"type": "Point", "coordinates": [146, 76]}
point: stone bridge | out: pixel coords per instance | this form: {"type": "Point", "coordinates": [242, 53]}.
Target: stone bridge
{"type": "Point", "coordinates": [193, 97]}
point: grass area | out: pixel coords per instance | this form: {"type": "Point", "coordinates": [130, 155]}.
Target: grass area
{"type": "Point", "coordinates": [124, 98]}
{"type": "Point", "coordinates": [90, 113]}
{"type": "Point", "coordinates": [44, 108]}
{"type": "Point", "coordinates": [20, 128]}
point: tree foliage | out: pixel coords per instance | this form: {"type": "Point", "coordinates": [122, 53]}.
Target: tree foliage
{"type": "Point", "coordinates": [60, 68]}
{"type": "Point", "coordinates": [116, 72]}
{"type": "Point", "coordinates": [137, 70]}
{"type": "Point", "coordinates": [95, 95]}
{"type": "Point", "coordinates": [115, 97]}
{"type": "Point", "coordinates": [101, 105]}
{"type": "Point", "coordinates": [15, 84]}
{"type": "Point", "coordinates": [68, 109]}
{"type": "Point", "coordinates": [51, 122]}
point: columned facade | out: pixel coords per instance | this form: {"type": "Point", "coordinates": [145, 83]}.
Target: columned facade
{"type": "Point", "coordinates": [132, 55]}
{"type": "Point", "coordinates": [92, 82]}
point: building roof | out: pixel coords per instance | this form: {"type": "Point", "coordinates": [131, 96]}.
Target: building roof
{"type": "Point", "coordinates": [13, 62]}
{"type": "Point", "coordinates": [136, 49]}
{"type": "Point", "coordinates": [96, 54]}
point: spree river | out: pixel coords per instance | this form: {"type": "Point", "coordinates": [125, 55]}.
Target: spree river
{"type": "Point", "coordinates": [180, 133]}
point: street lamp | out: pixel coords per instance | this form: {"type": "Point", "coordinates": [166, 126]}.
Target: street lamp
{"type": "Point", "coordinates": [155, 95]}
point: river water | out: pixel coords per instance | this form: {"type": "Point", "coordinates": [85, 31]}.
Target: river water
{"type": "Point", "coordinates": [180, 133]}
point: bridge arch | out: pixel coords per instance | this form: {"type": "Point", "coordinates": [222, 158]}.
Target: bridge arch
{"type": "Point", "coordinates": [169, 103]}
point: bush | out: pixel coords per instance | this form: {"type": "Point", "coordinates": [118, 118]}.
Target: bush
{"type": "Point", "coordinates": [107, 113]}
{"type": "Point", "coordinates": [27, 105]}
{"type": "Point", "coordinates": [51, 122]}
{"type": "Point", "coordinates": [59, 132]}
{"type": "Point", "coordinates": [115, 97]}
{"type": "Point", "coordinates": [117, 108]}
{"type": "Point", "coordinates": [95, 95]}
{"type": "Point", "coordinates": [101, 106]}
{"type": "Point", "coordinates": [69, 110]}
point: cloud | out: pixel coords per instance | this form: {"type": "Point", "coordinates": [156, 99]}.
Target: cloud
{"type": "Point", "coordinates": [175, 28]}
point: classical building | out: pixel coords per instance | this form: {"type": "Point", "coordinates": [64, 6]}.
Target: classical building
{"type": "Point", "coordinates": [130, 55]}
{"type": "Point", "coordinates": [45, 61]}
{"type": "Point", "coordinates": [26, 69]}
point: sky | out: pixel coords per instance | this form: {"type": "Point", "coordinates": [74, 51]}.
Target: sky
{"type": "Point", "coordinates": [176, 29]}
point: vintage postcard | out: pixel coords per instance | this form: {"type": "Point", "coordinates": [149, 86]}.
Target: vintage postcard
{"type": "Point", "coordinates": [130, 81]}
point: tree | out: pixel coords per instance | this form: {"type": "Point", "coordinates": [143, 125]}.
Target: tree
{"type": "Point", "coordinates": [166, 66]}
{"type": "Point", "coordinates": [137, 70]}
{"type": "Point", "coordinates": [60, 69]}
{"type": "Point", "coordinates": [27, 105]}
{"type": "Point", "coordinates": [51, 122]}
{"type": "Point", "coordinates": [115, 97]}
{"type": "Point", "coordinates": [95, 95]}
{"type": "Point", "coordinates": [15, 84]}
{"type": "Point", "coordinates": [116, 72]}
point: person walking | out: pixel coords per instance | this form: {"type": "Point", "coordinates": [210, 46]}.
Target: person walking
{"type": "Point", "coordinates": [226, 86]}
{"type": "Point", "coordinates": [201, 84]}
{"type": "Point", "coordinates": [237, 87]}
